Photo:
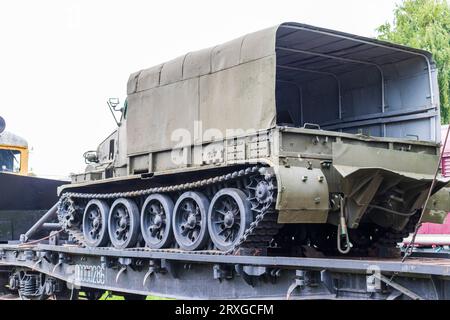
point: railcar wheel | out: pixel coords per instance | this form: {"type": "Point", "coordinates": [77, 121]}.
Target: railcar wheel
{"type": "Point", "coordinates": [156, 221]}
{"type": "Point", "coordinates": [123, 223]}
{"type": "Point", "coordinates": [189, 221]}
{"type": "Point", "coordinates": [229, 216]}
{"type": "Point", "coordinates": [95, 223]}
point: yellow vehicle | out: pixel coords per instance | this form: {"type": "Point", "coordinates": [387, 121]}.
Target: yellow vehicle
{"type": "Point", "coordinates": [13, 154]}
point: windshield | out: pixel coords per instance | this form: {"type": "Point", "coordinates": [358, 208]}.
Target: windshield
{"type": "Point", "coordinates": [10, 161]}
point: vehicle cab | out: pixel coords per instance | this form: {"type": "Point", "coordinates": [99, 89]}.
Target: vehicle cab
{"type": "Point", "coordinates": [13, 154]}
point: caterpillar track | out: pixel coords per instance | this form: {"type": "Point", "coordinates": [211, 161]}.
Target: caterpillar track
{"type": "Point", "coordinates": [258, 183]}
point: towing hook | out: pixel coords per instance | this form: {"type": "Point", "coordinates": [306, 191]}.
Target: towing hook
{"type": "Point", "coordinates": [343, 239]}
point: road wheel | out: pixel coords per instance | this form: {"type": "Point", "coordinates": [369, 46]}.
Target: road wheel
{"type": "Point", "coordinates": [229, 216]}
{"type": "Point", "coordinates": [95, 223]}
{"type": "Point", "coordinates": [190, 225]}
{"type": "Point", "coordinates": [156, 221]}
{"type": "Point", "coordinates": [123, 223]}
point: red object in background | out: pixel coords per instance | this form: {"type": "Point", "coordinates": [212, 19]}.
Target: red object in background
{"type": "Point", "coordinates": [432, 228]}
{"type": "Point", "coordinates": [445, 165]}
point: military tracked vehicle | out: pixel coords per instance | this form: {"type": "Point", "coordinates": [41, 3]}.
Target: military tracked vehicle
{"type": "Point", "coordinates": [287, 140]}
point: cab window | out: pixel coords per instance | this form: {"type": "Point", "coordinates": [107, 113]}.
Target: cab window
{"type": "Point", "coordinates": [10, 161]}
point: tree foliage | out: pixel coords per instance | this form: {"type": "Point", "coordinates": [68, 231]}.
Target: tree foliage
{"type": "Point", "coordinates": [425, 24]}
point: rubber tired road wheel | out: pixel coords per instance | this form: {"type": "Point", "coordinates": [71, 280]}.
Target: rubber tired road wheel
{"type": "Point", "coordinates": [123, 223]}
{"type": "Point", "coordinates": [189, 221]}
{"type": "Point", "coordinates": [229, 216]}
{"type": "Point", "coordinates": [95, 223]}
{"type": "Point", "coordinates": [156, 221]}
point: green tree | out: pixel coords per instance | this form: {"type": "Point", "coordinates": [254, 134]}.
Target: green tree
{"type": "Point", "coordinates": [425, 24]}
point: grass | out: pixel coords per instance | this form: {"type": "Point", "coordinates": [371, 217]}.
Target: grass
{"type": "Point", "coordinates": [108, 296]}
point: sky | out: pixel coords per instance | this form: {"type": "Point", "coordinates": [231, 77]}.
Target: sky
{"type": "Point", "coordinates": [61, 60]}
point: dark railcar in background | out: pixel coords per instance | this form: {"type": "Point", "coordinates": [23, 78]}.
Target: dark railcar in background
{"type": "Point", "coordinates": [23, 198]}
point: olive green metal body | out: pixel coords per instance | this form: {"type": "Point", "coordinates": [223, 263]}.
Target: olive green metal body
{"type": "Point", "coordinates": [333, 122]}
